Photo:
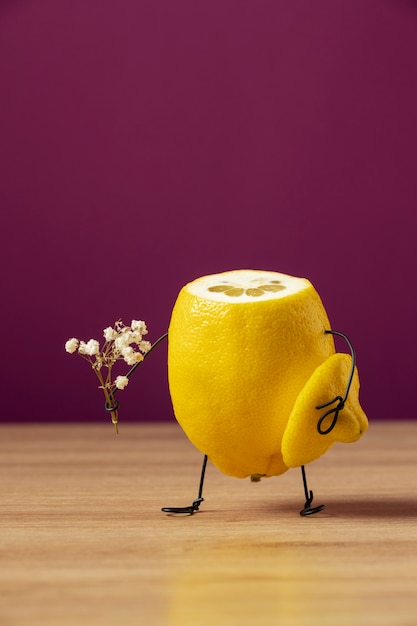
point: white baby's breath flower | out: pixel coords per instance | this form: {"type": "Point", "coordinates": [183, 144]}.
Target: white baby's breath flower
{"type": "Point", "coordinates": [121, 382]}
{"type": "Point", "coordinates": [132, 336]}
{"type": "Point", "coordinates": [71, 345]}
{"type": "Point", "coordinates": [130, 356]}
{"type": "Point", "coordinates": [121, 342]}
{"type": "Point", "coordinates": [81, 348]}
{"type": "Point", "coordinates": [145, 346]}
{"type": "Point", "coordinates": [109, 333]}
{"type": "Point", "coordinates": [92, 347]}
{"type": "Point", "coordinates": [135, 336]}
{"type": "Point", "coordinates": [140, 326]}
{"type": "Point", "coordinates": [127, 350]}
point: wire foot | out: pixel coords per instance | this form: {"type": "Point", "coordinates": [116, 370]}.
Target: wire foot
{"type": "Point", "coordinates": [189, 510]}
{"type": "Point", "coordinates": [308, 509]}
{"type": "Point", "coordinates": [183, 510]}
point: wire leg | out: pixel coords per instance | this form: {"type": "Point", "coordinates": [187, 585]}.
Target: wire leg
{"type": "Point", "coordinates": [196, 504]}
{"type": "Point", "coordinates": [308, 509]}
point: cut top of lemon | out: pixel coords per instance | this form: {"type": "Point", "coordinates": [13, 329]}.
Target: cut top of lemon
{"type": "Point", "coordinates": [239, 286]}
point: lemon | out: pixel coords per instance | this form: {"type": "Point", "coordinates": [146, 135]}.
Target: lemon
{"type": "Point", "coordinates": [243, 347]}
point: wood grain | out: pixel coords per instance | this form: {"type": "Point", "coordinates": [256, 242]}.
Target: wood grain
{"type": "Point", "coordinates": [83, 540]}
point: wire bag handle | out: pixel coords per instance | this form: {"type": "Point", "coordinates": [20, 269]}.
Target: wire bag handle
{"type": "Point", "coordinates": [340, 401]}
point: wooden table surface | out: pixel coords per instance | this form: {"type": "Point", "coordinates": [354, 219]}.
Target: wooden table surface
{"type": "Point", "coordinates": [83, 540]}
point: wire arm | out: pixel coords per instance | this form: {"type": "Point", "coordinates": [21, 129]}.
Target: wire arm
{"type": "Point", "coordinates": [339, 399]}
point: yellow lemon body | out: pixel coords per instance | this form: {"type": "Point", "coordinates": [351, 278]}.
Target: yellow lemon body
{"type": "Point", "coordinates": [242, 346]}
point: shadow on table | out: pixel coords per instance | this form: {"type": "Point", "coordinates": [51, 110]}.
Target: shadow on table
{"type": "Point", "coordinates": [372, 507]}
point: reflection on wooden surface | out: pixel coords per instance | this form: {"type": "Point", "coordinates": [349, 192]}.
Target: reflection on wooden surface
{"type": "Point", "coordinates": [83, 540]}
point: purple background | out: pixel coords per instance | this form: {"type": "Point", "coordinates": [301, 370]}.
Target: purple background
{"type": "Point", "coordinates": [146, 143]}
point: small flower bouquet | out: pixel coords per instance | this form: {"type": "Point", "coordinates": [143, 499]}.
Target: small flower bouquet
{"type": "Point", "coordinates": [120, 343]}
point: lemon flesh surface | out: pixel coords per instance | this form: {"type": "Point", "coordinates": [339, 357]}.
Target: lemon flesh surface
{"type": "Point", "coordinates": [241, 346]}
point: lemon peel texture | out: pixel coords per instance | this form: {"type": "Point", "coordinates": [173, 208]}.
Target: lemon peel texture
{"type": "Point", "coordinates": [302, 443]}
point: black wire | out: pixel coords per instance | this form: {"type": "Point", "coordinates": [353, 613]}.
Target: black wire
{"type": "Point", "coordinates": [189, 510]}
{"type": "Point", "coordinates": [308, 509]}
{"type": "Point", "coordinates": [341, 400]}
{"type": "Point", "coordinates": [136, 365]}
